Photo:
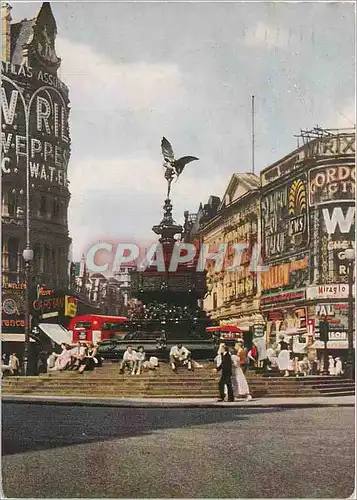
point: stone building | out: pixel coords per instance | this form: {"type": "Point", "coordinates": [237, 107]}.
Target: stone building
{"type": "Point", "coordinates": [234, 295]}
{"type": "Point", "coordinates": [34, 160]}
{"type": "Point", "coordinates": [301, 213]}
{"type": "Point", "coordinates": [109, 295]}
{"type": "Point", "coordinates": [193, 222]}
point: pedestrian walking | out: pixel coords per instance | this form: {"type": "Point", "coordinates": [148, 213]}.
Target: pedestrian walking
{"type": "Point", "coordinates": [284, 356]}
{"type": "Point", "coordinates": [14, 364]}
{"type": "Point", "coordinates": [225, 366]}
{"type": "Point", "coordinates": [338, 367]}
{"type": "Point", "coordinates": [239, 382]}
{"type": "Point", "coordinates": [331, 366]}
{"type": "Point", "coordinates": [242, 355]}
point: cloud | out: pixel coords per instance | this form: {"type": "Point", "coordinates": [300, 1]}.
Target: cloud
{"type": "Point", "coordinates": [96, 79]}
{"type": "Point", "coordinates": [122, 197]}
{"type": "Point", "coordinates": [269, 36]}
{"type": "Point", "coordinates": [344, 118]}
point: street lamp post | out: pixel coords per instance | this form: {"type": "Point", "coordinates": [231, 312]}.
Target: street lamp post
{"type": "Point", "coordinates": [28, 257]}
{"type": "Point", "coordinates": [350, 257]}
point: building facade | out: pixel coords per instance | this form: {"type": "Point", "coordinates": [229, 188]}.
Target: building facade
{"type": "Point", "coordinates": [307, 221]}
{"type": "Point", "coordinates": [34, 160]}
{"type": "Point", "coordinates": [301, 215]}
{"type": "Point", "coordinates": [109, 295]}
{"type": "Point", "coordinates": [234, 295]}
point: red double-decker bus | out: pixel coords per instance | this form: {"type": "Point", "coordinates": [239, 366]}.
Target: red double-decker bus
{"type": "Point", "coordinates": [96, 328]}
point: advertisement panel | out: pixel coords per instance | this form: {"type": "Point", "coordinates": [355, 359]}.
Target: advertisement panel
{"type": "Point", "coordinates": [337, 317]}
{"type": "Point", "coordinates": [285, 222]}
{"type": "Point", "coordinates": [288, 275]}
{"type": "Point", "coordinates": [330, 291]}
{"type": "Point", "coordinates": [70, 306]}
{"type": "Point", "coordinates": [330, 184]}
{"type": "Point", "coordinates": [13, 307]}
{"type": "Point", "coordinates": [276, 299]}
{"type": "Point", "coordinates": [47, 111]}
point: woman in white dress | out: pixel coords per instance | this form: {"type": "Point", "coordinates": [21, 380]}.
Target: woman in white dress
{"type": "Point", "coordinates": [64, 359]}
{"type": "Point", "coordinates": [284, 356]}
{"type": "Point", "coordinates": [239, 382]}
{"type": "Point", "coordinates": [338, 367]}
{"type": "Point", "coordinates": [331, 365]}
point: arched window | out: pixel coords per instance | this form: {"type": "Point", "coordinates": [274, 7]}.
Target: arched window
{"type": "Point", "coordinates": [12, 203]}
{"type": "Point", "coordinates": [43, 205]}
{"type": "Point", "coordinates": [47, 263]}
{"type": "Point", "coordinates": [37, 259]}
{"type": "Point", "coordinates": [214, 300]}
{"type": "Point", "coordinates": [56, 210]}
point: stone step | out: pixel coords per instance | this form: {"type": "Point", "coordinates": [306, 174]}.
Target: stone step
{"type": "Point", "coordinates": [346, 385]}
{"type": "Point", "coordinates": [163, 383]}
{"type": "Point", "coordinates": [148, 391]}
{"type": "Point", "coordinates": [342, 393]}
{"type": "Point", "coordinates": [336, 389]}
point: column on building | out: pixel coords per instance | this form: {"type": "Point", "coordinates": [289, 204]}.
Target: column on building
{"type": "Point", "coordinates": [5, 253]}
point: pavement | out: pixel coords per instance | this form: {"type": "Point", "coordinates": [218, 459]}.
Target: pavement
{"type": "Point", "coordinates": [66, 451]}
{"type": "Point", "coordinates": [296, 402]}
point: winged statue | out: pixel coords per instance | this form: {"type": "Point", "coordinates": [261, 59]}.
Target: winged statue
{"type": "Point", "coordinates": [173, 167]}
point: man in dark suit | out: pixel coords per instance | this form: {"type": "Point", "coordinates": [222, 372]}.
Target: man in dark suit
{"type": "Point", "coordinates": [225, 367]}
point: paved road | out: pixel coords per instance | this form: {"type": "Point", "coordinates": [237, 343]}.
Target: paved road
{"type": "Point", "coordinates": [62, 451]}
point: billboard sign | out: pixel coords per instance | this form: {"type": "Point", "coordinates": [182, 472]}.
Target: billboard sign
{"type": "Point", "coordinates": [13, 307]}
{"type": "Point", "coordinates": [330, 291]}
{"type": "Point", "coordinates": [328, 184]}
{"type": "Point", "coordinates": [285, 222]}
{"type": "Point", "coordinates": [288, 275]}
{"type": "Point", "coordinates": [49, 143]}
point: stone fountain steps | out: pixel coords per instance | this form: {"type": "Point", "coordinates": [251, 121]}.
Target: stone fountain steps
{"type": "Point", "coordinates": [163, 384]}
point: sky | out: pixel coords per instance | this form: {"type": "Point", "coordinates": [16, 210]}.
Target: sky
{"type": "Point", "coordinates": [138, 71]}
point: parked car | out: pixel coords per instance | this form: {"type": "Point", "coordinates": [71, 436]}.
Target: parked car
{"type": "Point", "coordinates": [155, 345]}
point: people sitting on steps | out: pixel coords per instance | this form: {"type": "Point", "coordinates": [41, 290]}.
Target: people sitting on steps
{"type": "Point", "coordinates": [128, 361]}
{"type": "Point", "coordinates": [180, 356]}
{"type": "Point", "coordinates": [91, 359]}
{"type": "Point", "coordinates": [139, 360]}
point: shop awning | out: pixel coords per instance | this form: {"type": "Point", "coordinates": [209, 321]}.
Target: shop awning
{"type": "Point", "coordinates": [14, 337]}
{"type": "Point", "coordinates": [56, 332]}
{"type": "Point", "coordinates": [224, 328]}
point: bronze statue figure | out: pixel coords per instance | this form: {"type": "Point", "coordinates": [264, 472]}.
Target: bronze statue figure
{"type": "Point", "coordinates": [173, 168]}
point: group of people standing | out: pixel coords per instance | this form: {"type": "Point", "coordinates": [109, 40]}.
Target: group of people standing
{"type": "Point", "coordinates": [231, 363]}
{"type": "Point", "coordinates": [335, 366]}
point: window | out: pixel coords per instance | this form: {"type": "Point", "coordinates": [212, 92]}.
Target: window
{"type": "Point", "coordinates": [115, 326]}
{"type": "Point", "coordinates": [56, 208]}
{"type": "Point", "coordinates": [54, 260]}
{"type": "Point", "coordinates": [47, 263]}
{"type": "Point", "coordinates": [37, 259]}
{"type": "Point", "coordinates": [43, 206]}
{"type": "Point", "coordinates": [215, 300]}
{"type": "Point", "coordinates": [12, 203]}
{"type": "Point", "coordinates": [13, 249]}
{"type": "Point", "coordinates": [86, 325]}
